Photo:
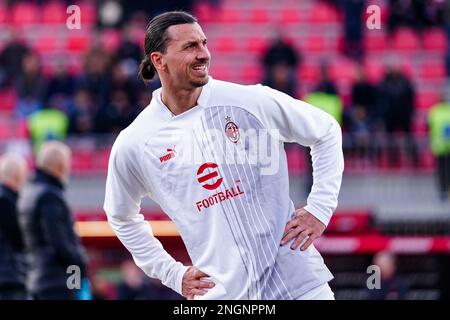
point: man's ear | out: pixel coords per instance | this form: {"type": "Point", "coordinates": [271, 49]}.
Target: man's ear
{"type": "Point", "coordinates": [157, 60]}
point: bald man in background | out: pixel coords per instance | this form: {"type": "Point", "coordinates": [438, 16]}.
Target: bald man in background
{"type": "Point", "coordinates": [13, 174]}
{"type": "Point", "coordinates": [47, 224]}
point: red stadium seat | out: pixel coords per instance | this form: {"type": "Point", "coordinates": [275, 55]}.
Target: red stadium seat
{"type": "Point", "coordinates": [308, 72]}
{"type": "Point", "coordinates": [226, 44]}
{"type": "Point", "coordinates": [259, 15]}
{"type": "Point", "coordinates": [433, 70]}
{"type": "Point", "coordinates": [406, 41]}
{"type": "Point", "coordinates": [375, 43]}
{"type": "Point", "coordinates": [229, 15]}
{"type": "Point", "coordinates": [3, 14]}
{"type": "Point", "coordinates": [88, 12]}
{"type": "Point", "coordinates": [374, 71]}
{"type": "Point", "coordinates": [25, 13]}
{"type": "Point", "coordinates": [54, 12]}
{"type": "Point", "coordinates": [315, 44]}
{"type": "Point", "coordinates": [435, 40]}
{"type": "Point", "coordinates": [323, 13]}
{"type": "Point", "coordinates": [7, 100]}
{"type": "Point", "coordinates": [427, 99]}
{"type": "Point", "coordinates": [343, 70]}
{"type": "Point", "coordinates": [78, 43]}
{"type": "Point", "coordinates": [256, 44]}
{"type": "Point", "coordinates": [4, 130]}
{"type": "Point", "coordinates": [204, 12]}
{"type": "Point", "coordinates": [82, 161]}
{"type": "Point", "coordinates": [252, 74]}
{"type": "Point", "coordinates": [46, 44]}
{"type": "Point", "coordinates": [110, 40]}
{"type": "Point", "coordinates": [220, 72]}
{"type": "Point", "coordinates": [290, 16]}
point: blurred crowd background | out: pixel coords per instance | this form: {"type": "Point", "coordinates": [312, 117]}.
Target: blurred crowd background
{"type": "Point", "coordinates": [388, 88]}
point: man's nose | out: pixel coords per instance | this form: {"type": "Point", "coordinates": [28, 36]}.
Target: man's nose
{"type": "Point", "coordinates": [203, 53]}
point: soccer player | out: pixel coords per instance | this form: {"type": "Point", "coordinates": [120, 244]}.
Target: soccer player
{"type": "Point", "coordinates": [211, 154]}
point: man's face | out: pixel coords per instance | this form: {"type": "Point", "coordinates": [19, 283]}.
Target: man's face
{"type": "Point", "coordinates": [187, 58]}
{"type": "Point", "coordinates": [66, 167]}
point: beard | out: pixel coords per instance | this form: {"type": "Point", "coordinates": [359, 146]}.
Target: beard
{"type": "Point", "coordinates": [200, 82]}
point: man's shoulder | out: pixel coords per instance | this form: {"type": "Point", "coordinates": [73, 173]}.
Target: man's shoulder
{"type": "Point", "coordinates": [242, 95]}
{"type": "Point", "coordinates": [136, 133]}
{"type": "Point", "coordinates": [236, 88]}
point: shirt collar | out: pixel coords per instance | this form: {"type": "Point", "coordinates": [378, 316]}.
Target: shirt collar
{"type": "Point", "coordinates": [9, 191]}
{"type": "Point", "coordinates": [201, 101]}
{"type": "Point", "coordinates": [42, 176]}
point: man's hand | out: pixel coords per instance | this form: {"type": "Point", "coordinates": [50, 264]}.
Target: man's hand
{"type": "Point", "coordinates": [303, 225]}
{"type": "Point", "coordinates": [193, 285]}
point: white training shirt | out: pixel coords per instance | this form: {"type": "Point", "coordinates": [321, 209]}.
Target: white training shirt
{"type": "Point", "coordinates": [219, 171]}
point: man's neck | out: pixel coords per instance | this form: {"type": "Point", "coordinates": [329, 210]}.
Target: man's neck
{"type": "Point", "coordinates": [179, 101]}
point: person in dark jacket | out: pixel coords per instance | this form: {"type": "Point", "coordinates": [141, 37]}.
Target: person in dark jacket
{"type": "Point", "coordinates": [396, 106]}
{"type": "Point", "coordinates": [13, 173]}
{"type": "Point", "coordinates": [46, 219]}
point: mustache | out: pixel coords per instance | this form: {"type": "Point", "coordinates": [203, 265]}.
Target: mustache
{"type": "Point", "coordinates": [201, 61]}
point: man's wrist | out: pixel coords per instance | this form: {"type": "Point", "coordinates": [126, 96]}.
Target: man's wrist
{"type": "Point", "coordinates": [179, 281]}
{"type": "Point", "coordinates": [318, 214]}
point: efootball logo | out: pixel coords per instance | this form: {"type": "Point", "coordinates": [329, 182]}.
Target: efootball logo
{"type": "Point", "coordinates": [209, 180]}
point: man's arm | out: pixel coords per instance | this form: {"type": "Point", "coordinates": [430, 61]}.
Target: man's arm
{"type": "Point", "coordinates": [309, 126]}
{"type": "Point", "coordinates": [124, 191]}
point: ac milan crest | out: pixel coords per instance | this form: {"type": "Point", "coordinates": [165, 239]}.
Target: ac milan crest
{"type": "Point", "coordinates": [232, 131]}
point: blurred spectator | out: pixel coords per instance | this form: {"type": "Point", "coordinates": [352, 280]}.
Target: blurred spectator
{"type": "Point", "coordinates": [82, 118]}
{"type": "Point", "coordinates": [47, 124]}
{"type": "Point", "coordinates": [446, 22]}
{"type": "Point", "coordinates": [96, 75]}
{"type": "Point", "coordinates": [325, 84]}
{"type": "Point", "coordinates": [30, 85]}
{"type": "Point", "coordinates": [154, 7]}
{"type": "Point", "coordinates": [418, 14]}
{"type": "Point", "coordinates": [353, 27]}
{"type": "Point", "coordinates": [360, 116]}
{"type": "Point", "coordinates": [392, 285]}
{"type": "Point", "coordinates": [439, 134]}
{"type": "Point", "coordinates": [401, 14]}
{"type": "Point", "coordinates": [280, 64]}
{"type": "Point", "coordinates": [129, 50]}
{"type": "Point", "coordinates": [11, 59]}
{"type": "Point", "coordinates": [61, 85]}
{"type": "Point", "coordinates": [136, 286]}
{"type": "Point", "coordinates": [122, 78]}
{"type": "Point", "coordinates": [47, 225]}
{"type": "Point", "coordinates": [13, 174]}
{"type": "Point", "coordinates": [395, 102]}
{"type": "Point", "coordinates": [144, 99]}
{"type": "Point", "coordinates": [117, 115]}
